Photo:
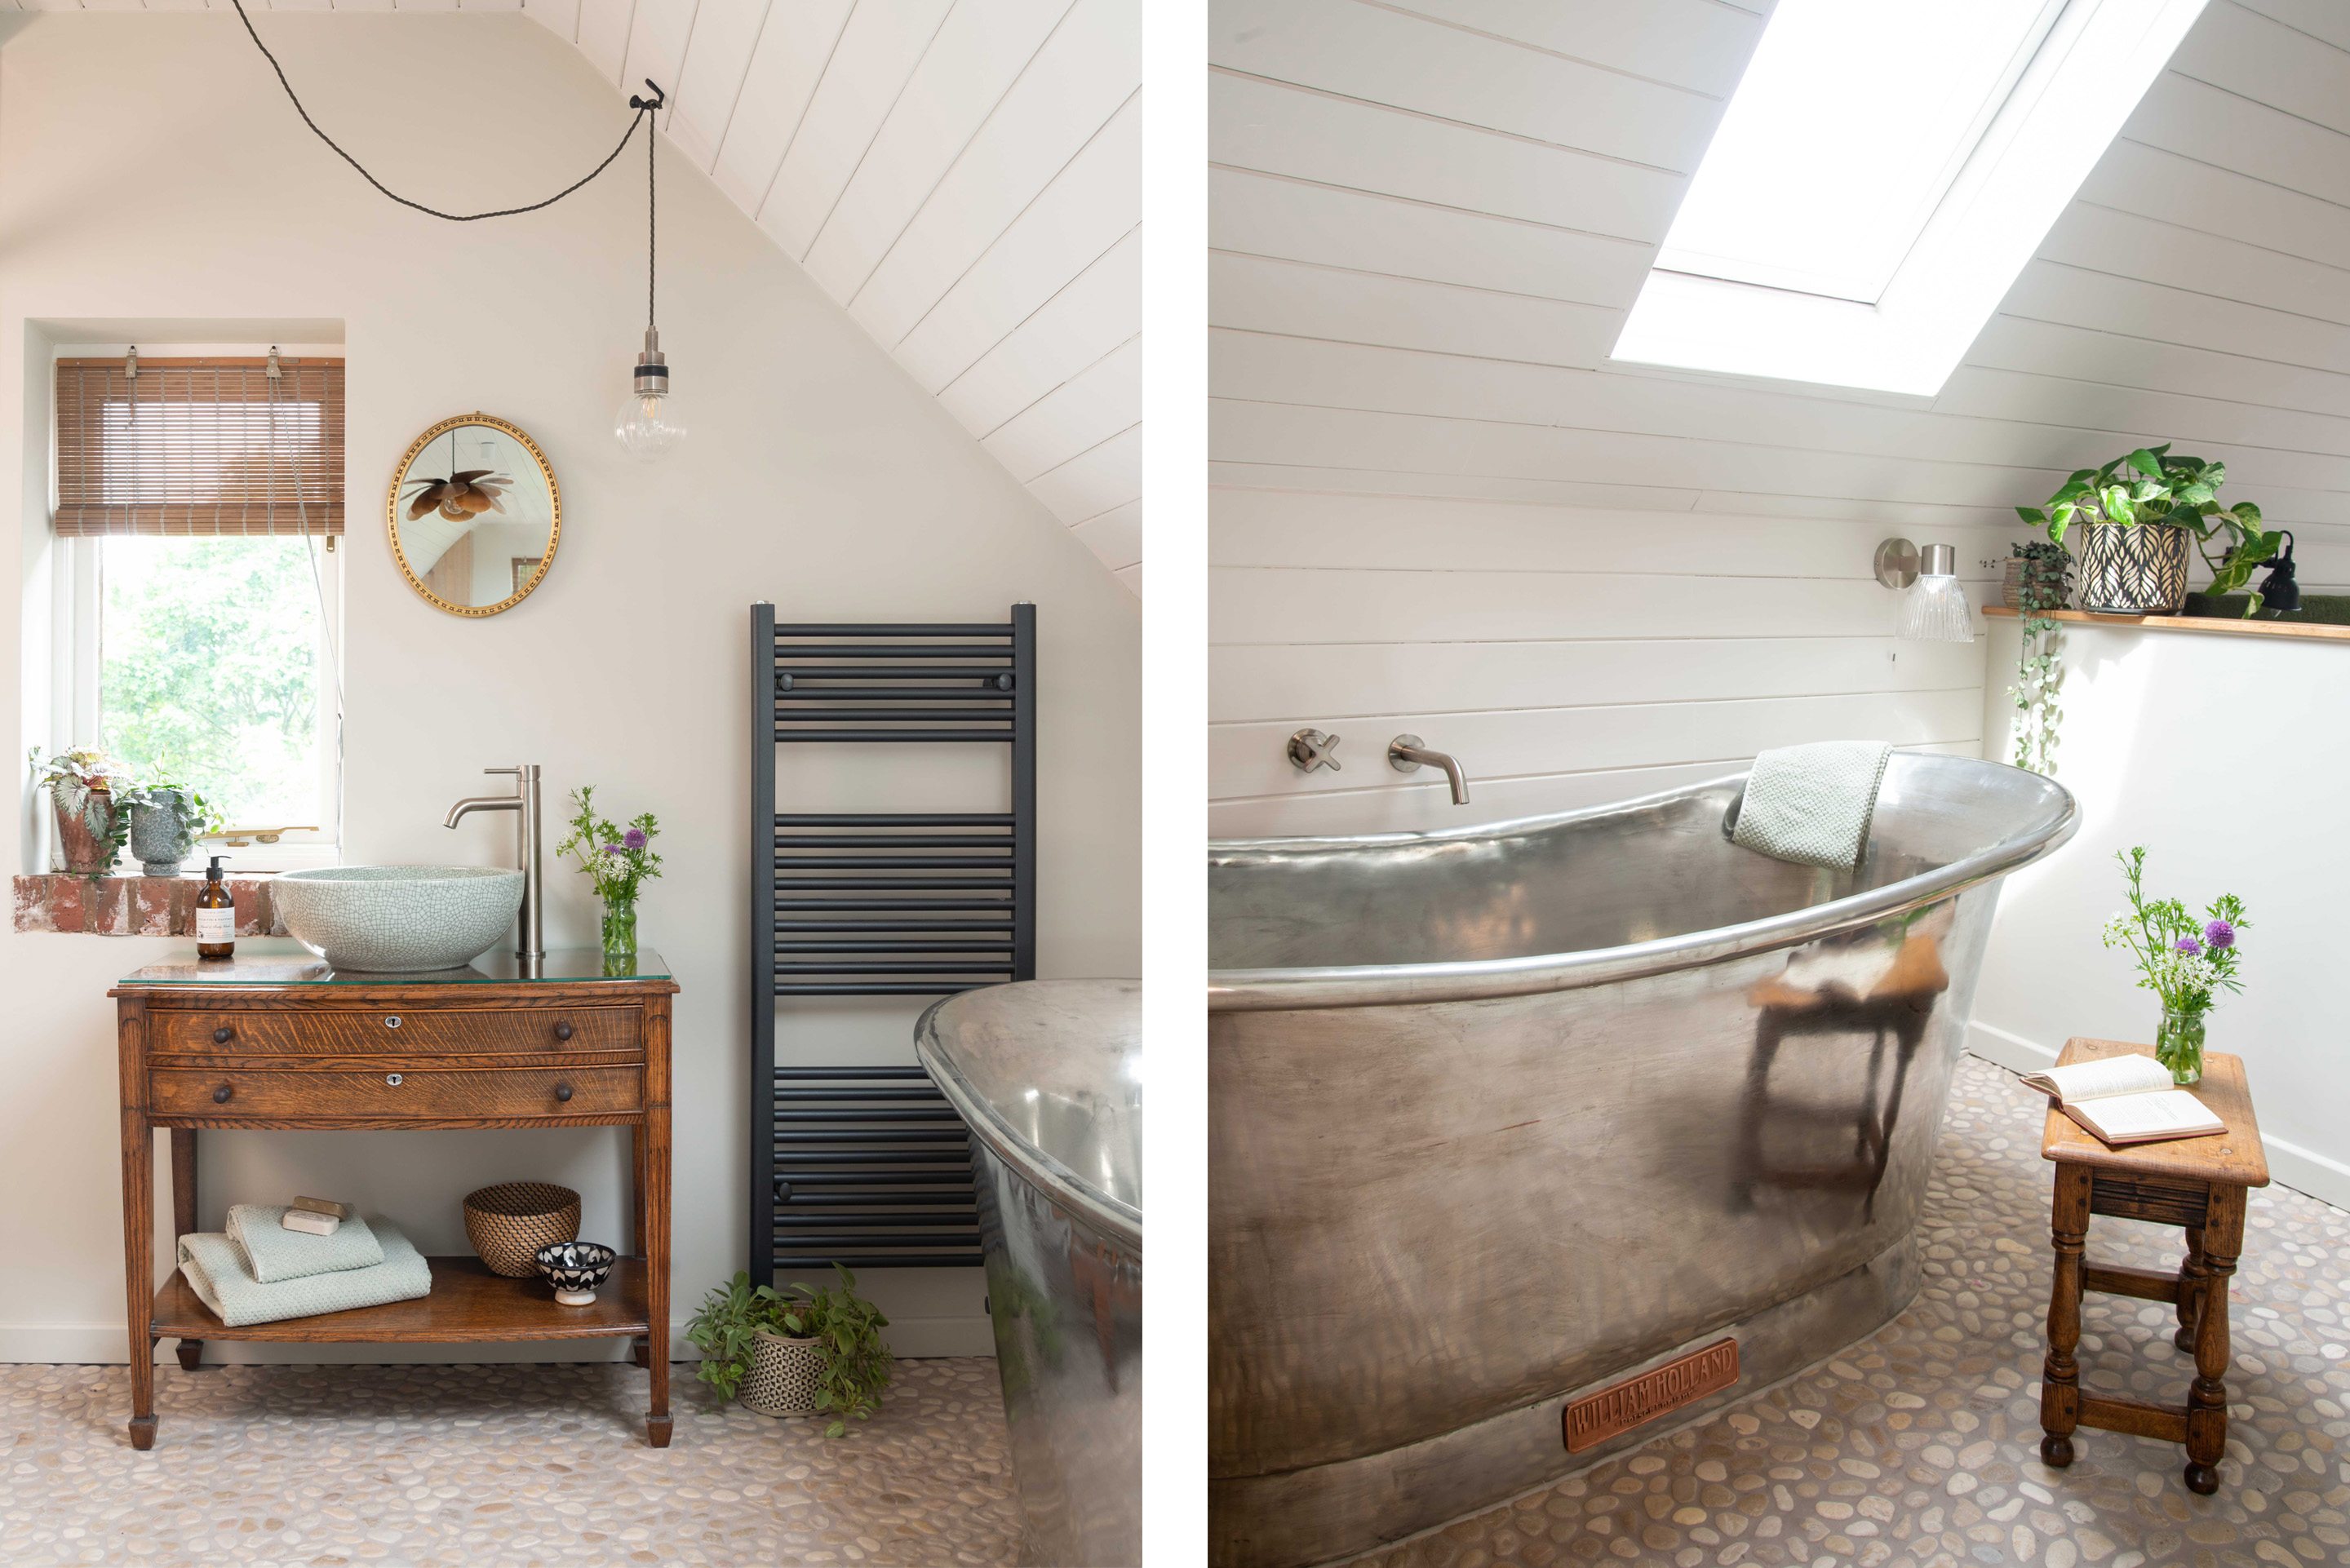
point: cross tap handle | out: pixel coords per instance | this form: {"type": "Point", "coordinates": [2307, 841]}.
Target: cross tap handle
{"type": "Point", "coordinates": [1311, 749]}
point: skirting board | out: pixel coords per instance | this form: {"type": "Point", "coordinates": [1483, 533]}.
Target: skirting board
{"type": "Point", "coordinates": [101, 1344]}
{"type": "Point", "coordinates": [2290, 1164]}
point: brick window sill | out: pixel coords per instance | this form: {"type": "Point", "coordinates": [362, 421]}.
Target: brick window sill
{"type": "Point", "coordinates": [135, 906]}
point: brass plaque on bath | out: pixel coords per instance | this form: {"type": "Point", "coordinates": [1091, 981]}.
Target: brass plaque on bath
{"type": "Point", "coordinates": [1596, 1418]}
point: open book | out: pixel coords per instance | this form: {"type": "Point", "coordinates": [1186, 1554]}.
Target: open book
{"type": "Point", "coordinates": [2126, 1099]}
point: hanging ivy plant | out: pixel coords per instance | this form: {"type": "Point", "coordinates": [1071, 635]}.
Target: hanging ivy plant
{"type": "Point", "coordinates": [2040, 668]}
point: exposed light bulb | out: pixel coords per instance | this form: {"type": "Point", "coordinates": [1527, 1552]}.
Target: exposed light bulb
{"type": "Point", "coordinates": [648, 422]}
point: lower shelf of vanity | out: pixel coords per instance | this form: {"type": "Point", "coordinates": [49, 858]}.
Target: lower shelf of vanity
{"type": "Point", "coordinates": [468, 1304]}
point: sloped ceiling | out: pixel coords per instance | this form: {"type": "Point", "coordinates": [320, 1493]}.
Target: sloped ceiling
{"type": "Point", "coordinates": [1430, 216]}
{"type": "Point", "coordinates": [963, 176]}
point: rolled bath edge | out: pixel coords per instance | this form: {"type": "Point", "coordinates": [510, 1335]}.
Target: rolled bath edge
{"type": "Point", "coordinates": [1328, 1514]}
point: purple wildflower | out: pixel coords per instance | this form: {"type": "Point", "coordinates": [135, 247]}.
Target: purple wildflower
{"type": "Point", "coordinates": [2189, 946]}
{"type": "Point", "coordinates": [2219, 934]}
{"type": "Point", "coordinates": [611, 849]}
{"type": "Point", "coordinates": [634, 839]}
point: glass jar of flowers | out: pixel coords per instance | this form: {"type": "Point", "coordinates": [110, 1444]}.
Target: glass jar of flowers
{"type": "Point", "coordinates": [2185, 962]}
{"type": "Point", "coordinates": [619, 859]}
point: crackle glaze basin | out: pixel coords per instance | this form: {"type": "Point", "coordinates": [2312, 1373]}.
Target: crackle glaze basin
{"type": "Point", "coordinates": [398, 919]}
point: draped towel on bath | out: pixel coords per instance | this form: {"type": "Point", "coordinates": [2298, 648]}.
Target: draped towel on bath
{"type": "Point", "coordinates": [215, 1269]}
{"type": "Point", "coordinates": [272, 1254]}
{"type": "Point", "coordinates": [1813, 805]}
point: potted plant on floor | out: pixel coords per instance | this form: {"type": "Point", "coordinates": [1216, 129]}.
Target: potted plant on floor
{"type": "Point", "coordinates": [2136, 515]}
{"type": "Point", "coordinates": [2185, 962]}
{"type": "Point", "coordinates": [798, 1352]}
{"type": "Point", "coordinates": [91, 824]}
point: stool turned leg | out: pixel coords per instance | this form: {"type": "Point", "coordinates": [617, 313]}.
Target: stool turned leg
{"type": "Point", "coordinates": [2207, 1398]}
{"type": "Point", "coordinates": [2060, 1376]}
{"type": "Point", "coordinates": [2190, 1289]}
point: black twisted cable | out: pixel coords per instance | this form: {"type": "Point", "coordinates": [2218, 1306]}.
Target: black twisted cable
{"type": "Point", "coordinates": [641, 105]}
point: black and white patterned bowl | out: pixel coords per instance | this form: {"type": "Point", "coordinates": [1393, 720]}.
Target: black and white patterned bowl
{"type": "Point", "coordinates": [575, 1269]}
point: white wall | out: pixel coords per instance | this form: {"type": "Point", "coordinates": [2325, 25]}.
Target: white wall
{"type": "Point", "coordinates": [818, 476]}
{"type": "Point", "coordinates": [2219, 754]}
{"type": "Point", "coordinates": [1444, 510]}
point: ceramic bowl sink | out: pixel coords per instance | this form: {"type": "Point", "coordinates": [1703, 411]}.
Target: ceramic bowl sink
{"type": "Point", "coordinates": [398, 919]}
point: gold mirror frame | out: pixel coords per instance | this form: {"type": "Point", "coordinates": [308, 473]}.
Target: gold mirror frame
{"type": "Point", "coordinates": [555, 506]}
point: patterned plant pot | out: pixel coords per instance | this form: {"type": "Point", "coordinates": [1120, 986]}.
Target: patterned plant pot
{"type": "Point", "coordinates": [2131, 568]}
{"type": "Point", "coordinates": [163, 834]}
{"type": "Point", "coordinates": [85, 853]}
{"type": "Point", "coordinates": [786, 1374]}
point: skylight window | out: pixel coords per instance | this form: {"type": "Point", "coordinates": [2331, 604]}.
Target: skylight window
{"type": "Point", "coordinates": [1883, 172]}
{"type": "Point", "coordinates": [1848, 127]}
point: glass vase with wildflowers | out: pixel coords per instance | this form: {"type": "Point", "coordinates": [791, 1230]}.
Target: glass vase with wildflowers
{"type": "Point", "coordinates": [2185, 960]}
{"type": "Point", "coordinates": [619, 860]}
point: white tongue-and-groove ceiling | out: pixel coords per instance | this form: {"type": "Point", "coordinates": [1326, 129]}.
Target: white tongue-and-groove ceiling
{"type": "Point", "coordinates": [1428, 217]}
{"type": "Point", "coordinates": [963, 177]}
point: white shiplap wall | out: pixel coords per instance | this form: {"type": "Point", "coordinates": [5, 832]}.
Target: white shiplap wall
{"type": "Point", "coordinates": [1439, 511]}
{"type": "Point", "coordinates": [963, 176]}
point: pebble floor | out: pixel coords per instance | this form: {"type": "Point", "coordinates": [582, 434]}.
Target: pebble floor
{"type": "Point", "coordinates": [1921, 1446]}
{"type": "Point", "coordinates": [491, 1465]}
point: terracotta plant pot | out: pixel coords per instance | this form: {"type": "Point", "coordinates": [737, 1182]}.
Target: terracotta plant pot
{"type": "Point", "coordinates": [786, 1374]}
{"type": "Point", "coordinates": [85, 854]}
{"type": "Point", "coordinates": [2131, 568]}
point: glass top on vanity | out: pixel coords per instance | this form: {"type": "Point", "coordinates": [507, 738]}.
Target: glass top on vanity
{"type": "Point", "coordinates": [568, 965]}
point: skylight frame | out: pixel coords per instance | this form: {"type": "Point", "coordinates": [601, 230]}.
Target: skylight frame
{"type": "Point", "coordinates": [2084, 82]}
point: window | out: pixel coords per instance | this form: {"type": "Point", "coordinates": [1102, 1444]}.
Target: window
{"type": "Point", "coordinates": [199, 502]}
{"type": "Point", "coordinates": [1883, 172]}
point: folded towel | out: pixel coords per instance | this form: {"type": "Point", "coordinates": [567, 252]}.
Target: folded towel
{"type": "Point", "coordinates": [216, 1270]}
{"type": "Point", "coordinates": [1811, 804]}
{"type": "Point", "coordinates": [272, 1254]}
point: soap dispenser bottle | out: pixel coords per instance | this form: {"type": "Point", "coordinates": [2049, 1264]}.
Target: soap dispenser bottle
{"type": "Point", "coordinates": [215, 916]}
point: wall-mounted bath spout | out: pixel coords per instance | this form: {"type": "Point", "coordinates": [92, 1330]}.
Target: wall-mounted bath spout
{"type": "Point", "coordinates": [1311, 749]}
{"type": "Point", "coordinates": [1404, 754]}
{"type": "Point", "coordinates": [525, 800]}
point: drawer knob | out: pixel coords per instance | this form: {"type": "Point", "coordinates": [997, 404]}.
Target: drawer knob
{"type": "Point", "coordinates": [393, 1022]}
{"type": "Point", "coordinates": [562, 1091]}
{"type": "Point", "coordinates": [224, 1035]}
{"type": "Point", "coordinates": [563, 1031]}
{"type": "Point", "coordinates": [393, 1078]}
{"type": "Point", "coordinates": [221, 1095]}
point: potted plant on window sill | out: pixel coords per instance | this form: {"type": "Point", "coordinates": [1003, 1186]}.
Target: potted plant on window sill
{"type": "Point", "coordinates": [801, 1353]}
{"type": "Point", "coordinates": [167, 817]}
{"type": "Point", "coordinates": [2136, 515]}
{"type": "Point", "coordinates": [91, 822]}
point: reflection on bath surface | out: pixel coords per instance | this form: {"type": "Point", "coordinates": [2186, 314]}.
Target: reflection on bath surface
{"type": "Point", "coordinates": [1500, 1116]}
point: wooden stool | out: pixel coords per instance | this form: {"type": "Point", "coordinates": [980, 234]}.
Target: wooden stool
{"type": "Point", "coordinates": [2198, 1184]}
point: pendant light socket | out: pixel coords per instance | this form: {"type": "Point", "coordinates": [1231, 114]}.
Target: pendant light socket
{"type": "Point", "coordinates": [652, 368]}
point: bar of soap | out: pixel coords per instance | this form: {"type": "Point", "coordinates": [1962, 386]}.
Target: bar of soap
{"type": "Point", "coordinates": [323, 1206]}
{"type": "Point", "coordinates": [311, 1224]}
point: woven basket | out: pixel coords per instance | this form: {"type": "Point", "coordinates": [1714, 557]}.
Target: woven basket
{"type": "Point", "coordinates": [786, 1376]}
{"type": "Point", "coordinates": [509, 1223]}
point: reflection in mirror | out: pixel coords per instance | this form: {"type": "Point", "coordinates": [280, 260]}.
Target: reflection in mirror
{"type": "Point", "coordinates": [475, 514]}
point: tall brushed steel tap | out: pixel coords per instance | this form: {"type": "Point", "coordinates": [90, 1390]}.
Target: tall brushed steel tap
{"type": "Point", "coordinates": [525, 800]}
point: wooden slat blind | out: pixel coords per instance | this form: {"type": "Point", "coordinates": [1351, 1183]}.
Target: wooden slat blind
{"type": "Point", "coordinates": [196, 447]}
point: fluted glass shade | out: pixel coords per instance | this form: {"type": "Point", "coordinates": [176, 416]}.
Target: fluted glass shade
{"type": "Point", "coordinates": [1934, 609]}
{"type": "Point", "coordinates": [649, 424]}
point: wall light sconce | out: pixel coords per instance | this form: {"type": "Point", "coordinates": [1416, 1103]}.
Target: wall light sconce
{"type": "Point", "coordinates": [1933, 606]}
{"type": "Point", "coordinates": [2279, 591]}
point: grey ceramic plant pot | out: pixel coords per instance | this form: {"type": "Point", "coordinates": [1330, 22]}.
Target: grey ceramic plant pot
{"type": "Point", "coordinates": [163, 833]}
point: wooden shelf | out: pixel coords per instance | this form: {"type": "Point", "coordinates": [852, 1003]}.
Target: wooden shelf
{"type": "Point", "coordinates": [2224, 626]}
{"type": "Point", "coordinates": [468, 1304]}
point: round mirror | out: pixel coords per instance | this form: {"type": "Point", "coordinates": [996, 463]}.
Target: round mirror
{"type": "Point", "coordinates": [475, 514]}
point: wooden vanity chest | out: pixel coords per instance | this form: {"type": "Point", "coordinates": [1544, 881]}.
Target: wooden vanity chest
{"type": "Point", "coordinates": [285, 1042]}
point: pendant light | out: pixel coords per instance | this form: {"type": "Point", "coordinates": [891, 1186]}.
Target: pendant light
{"type": "Point", "coordinates": [648, 422]}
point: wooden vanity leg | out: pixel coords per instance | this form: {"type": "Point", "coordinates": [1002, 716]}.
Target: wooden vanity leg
{"type": "Point", "coordinates": [184, 1217]}
{"type": "Point", "coordinates": [639, 1348]}
{"type": "Point", "coordinates": [2060, 1374]}
{"type": "Point", "coordinates": [138, 1221]}
{"type": "Point", "coordinates": [2207, 1400]}
{"type": "Point", "coordinates": [653, 1198]}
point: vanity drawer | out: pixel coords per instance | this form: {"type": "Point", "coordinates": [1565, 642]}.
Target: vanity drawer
{"type": "Point", "coordinates": [433, 1093]}
{"type": "Point", "coordinates": [475, 1032]}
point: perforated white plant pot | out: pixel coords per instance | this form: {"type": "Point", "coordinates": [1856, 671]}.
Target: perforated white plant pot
{"type": "Point", "coordinates": [786, 1374]}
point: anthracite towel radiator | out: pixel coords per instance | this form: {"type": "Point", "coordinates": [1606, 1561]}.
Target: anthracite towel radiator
{"type": "Point", "coordinates": [869, 1165]}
